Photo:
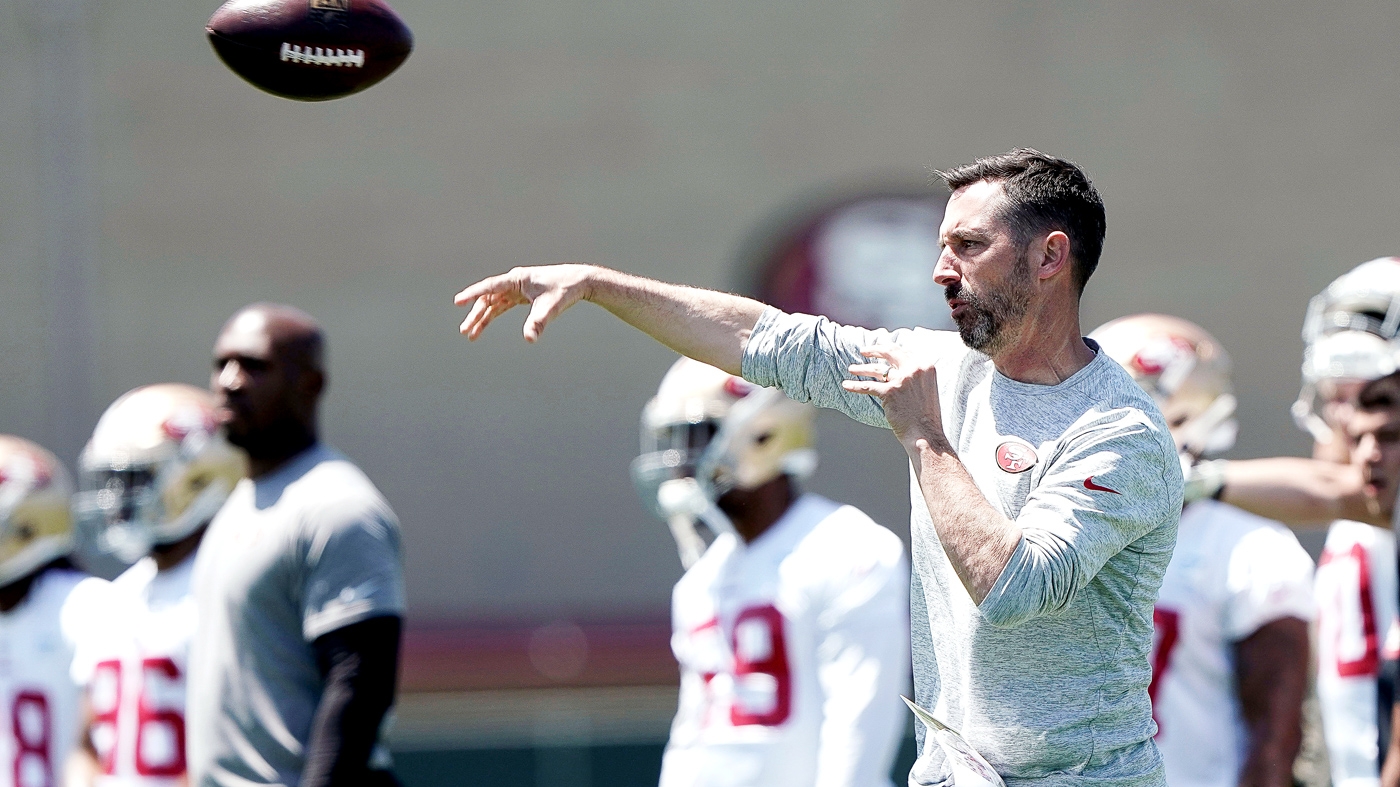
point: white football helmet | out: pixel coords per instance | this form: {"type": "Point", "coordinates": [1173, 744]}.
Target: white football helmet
{"type": "Point", "coordinates": [1185, 370]}
{"type": "Point", "coordinates": [156, 470]}
{"type": "Point", "coordinates": [35, 524]}
{"type": "Point", "coordinates": [707, 432]}
{"type": "Point", "coordinates": [1351, 333]}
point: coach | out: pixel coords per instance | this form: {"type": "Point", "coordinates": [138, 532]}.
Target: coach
{"type": "Point", "coordinates": [1045, 485]}
{"type": "Point", "coordinates": [298, 584]}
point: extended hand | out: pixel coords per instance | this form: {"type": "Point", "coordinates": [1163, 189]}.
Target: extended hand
{"type": "Point", "coordinates": [908, 389]}
{"type": "Point", "coordinates": [548, 289]}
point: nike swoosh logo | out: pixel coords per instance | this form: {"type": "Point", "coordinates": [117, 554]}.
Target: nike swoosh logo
{"type": "Point", "coordinates": [1089, 484]}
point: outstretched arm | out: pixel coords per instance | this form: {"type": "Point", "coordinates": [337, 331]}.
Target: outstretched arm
{"type": "Point", "coordinates": [708, 326]}
{"type": "Point", "coordinates": [1299, 492]}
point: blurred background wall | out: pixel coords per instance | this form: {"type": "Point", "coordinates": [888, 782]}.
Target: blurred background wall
{"type": "Point", "coordinates": [1245, 152]}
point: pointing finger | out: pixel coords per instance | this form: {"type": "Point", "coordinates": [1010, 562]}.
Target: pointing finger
{"type": "Point", "coordinates": [494, 307]}
{"type": "Point", "coordinates": [474, 316]}
{"type": "Point", "coordinates": [487, 286]}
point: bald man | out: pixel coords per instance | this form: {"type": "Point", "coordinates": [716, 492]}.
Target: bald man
{"type": "Point", "coordinates": [299, 585]}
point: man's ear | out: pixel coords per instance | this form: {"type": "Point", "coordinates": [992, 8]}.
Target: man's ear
{"type": "Point", "coordinates": [1056, 257]}
{"type": "Point", "coordinates": [312, 383]}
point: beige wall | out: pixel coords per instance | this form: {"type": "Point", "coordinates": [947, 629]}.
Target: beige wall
{"type": "Point", "coordinates": [1246, 152]}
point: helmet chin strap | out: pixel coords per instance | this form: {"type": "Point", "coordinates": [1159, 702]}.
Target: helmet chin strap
{"type": "Point", "coordinates": [689, 545]}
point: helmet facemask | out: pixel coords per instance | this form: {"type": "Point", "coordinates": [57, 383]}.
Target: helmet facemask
{"type": "Point", "coordinates": [707, 432]}
{"type": "Point", "coordinates": [155, 472]}
{"type": "Point", "coordinates": [1351, 334]}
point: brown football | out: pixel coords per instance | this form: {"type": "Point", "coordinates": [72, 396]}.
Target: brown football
{"type": "Point", "coordinates": [310, 50]}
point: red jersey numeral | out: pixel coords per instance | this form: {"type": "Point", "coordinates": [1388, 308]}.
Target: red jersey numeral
{"type": "Point", "coordinates": [760, 654]}
{"type": "Point", "coordinates": [1368, 662]}
{"type": "Point", "coordinates": [160, 727]}
{"type": "Point", "coordinates": [160, 723]}
{"type": "Point", "coordinates": [105, 697]}
{"type": "Point", "coordinates": [1166, 625]}
{"type": "Point", "coordinates": [762, 678]}
{"type": "Point", "coordinates": [33, 732]}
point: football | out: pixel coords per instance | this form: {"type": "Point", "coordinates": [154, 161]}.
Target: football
{"type": "Point", "coordinates": [310, 50]}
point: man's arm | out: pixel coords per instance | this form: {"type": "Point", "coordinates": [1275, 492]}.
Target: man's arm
{"type": "Point", "coordinates": [1298, 491]}
{"type": "Point", "coordinates": [1067, 529]}
{"type": "Point", "coordinates": [359, 667]}
{"type": "Point", "coordinates": [1271, 675]}
{"type": "Point", "coordinates": [708, 326]}
{"type": "Point", "coordinates": [977, 538]}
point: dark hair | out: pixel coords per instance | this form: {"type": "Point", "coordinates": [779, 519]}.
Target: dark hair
{"type": "Point", "coordinates": [1043, 193]}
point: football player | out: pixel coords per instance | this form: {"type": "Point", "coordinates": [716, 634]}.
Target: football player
{"type": "Point", "coordinates": [1350, 347]}
{"type": "Point", "coordinates": [1351, 337]}
{"type": "Point", "coordinates": [1231, 650]}
{"type": "Point", "coordinates": [792, 627]}
{"type": "Point", "coordinates": [1375, 432]}
{"type": "Point", "coordinates": [44, 605]}
{"type": "Point", "coordinates": [154, 473]}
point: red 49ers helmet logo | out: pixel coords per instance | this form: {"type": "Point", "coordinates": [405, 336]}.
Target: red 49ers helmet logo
{"type": "Point", "coordinates": [1015, 457]}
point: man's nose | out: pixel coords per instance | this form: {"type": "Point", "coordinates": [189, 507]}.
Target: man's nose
{"type": "Point", "coordinates": [230, 376]}
{"type": "Point", "coordinates": [945, 271]}
{"type": "Point", "coordinates": [1367, 449]}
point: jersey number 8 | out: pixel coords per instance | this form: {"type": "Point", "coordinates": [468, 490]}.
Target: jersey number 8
{"type": "Point", "coordinates": [33, 729]}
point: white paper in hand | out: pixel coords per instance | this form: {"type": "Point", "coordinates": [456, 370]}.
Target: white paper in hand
{"type": "Point", "coordinates": [969, 767]}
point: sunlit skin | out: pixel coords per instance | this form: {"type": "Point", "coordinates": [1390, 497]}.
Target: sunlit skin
{"type": "Point", "coordinates": [267, 382]}
{"type": "Point", "coordinates": [1377, 453]}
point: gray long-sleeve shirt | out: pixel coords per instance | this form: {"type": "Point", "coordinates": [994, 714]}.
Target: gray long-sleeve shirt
{"type": "Point", "coordinates": [1048, 677]}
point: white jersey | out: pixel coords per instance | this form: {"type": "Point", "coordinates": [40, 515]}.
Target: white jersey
{"type": "Point", "coordinates": [134, 669]}
{"type": "Point", "coordinates": [793, 652]}
{"type": "Point", "coordinates": [1356, 610]}
{"type": "Point", "coordinates": [39, 701]}
{"type": "Point", "coordinates": [1232, 573]}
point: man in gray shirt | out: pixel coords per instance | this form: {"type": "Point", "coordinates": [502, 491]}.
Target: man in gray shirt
{"type": "Point", "coordinates": [298, 584]}
{"type": "Point", "coordinates": [1045, 484]}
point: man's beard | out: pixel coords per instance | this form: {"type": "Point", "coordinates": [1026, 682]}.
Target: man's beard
{"type": "Point", "coordinates": [280, 438]}
{"type": "Point", "coordinates": [985, 317]}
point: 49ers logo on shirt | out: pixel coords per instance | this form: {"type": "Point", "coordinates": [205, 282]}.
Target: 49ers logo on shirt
{"type": "Point", "coordinates": [1014, 456]}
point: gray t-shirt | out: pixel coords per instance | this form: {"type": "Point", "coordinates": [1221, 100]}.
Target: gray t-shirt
{"type": "Point", "coordinates": [1048, 677]}
{"type": "Point", "coordinates": [306, 550]}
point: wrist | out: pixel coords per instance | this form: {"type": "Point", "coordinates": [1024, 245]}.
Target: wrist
{"type": "Point", "coordinates": [592, 281]}
{"type": "Point", "coordinates": [924, 438]}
